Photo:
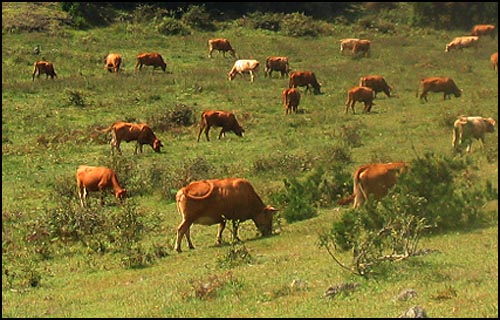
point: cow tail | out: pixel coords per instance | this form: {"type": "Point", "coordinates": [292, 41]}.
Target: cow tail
{"type": "Point", "coordinates": [346, 200]}
{"type": "Point", "coordinates": [106, 130]}
{"type": "Point", "coordinates": [358, 187]}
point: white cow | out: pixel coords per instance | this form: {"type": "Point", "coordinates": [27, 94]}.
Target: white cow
{"type": "Point", "coordinates": [244, 66]}
{"type": "Point", "coordinates": [466, 128]}
{"type": "Point", "coordinates": [462, 42]}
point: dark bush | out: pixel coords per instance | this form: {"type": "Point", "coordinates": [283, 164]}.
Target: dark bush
{"type": "Point", "coordinates": [170, 26]}
{"type": "Point", "coordinates": [299, 25]}
{"type": "Point", "coordinates": [198, 18]}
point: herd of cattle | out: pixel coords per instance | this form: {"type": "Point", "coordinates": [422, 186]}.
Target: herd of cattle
{"type": "Point", "coordinates": [209, 202]}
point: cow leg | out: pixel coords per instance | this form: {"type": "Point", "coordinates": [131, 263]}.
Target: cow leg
{"type": "Point", "coordinates": [182, 229]}
{"type": "Point", "coordinates": [188, 238]}
{"type": "Point", "coordinates": [199, 132]}
{"type": "Point", "coordinates": [82, 192]}
{"type": "Point", "coordinates": [236, 224]}
{"type": "Point", "coordinates": [207, 129]}
{"type": "Point", "coordinates": [251, 76]}
{"type": "Point", "coordinates": [222, 133]}
{"type": "Point", "coordinates": [221, 228]}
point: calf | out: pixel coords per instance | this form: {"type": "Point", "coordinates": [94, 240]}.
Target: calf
{"type": "Point", "coordinates": [112, 62]}
{"type": "Point", "coordinates": [150, 59]}
{"type": "Point", "coordinates": [462, 42]}
{"type": "Point", "coordinates": [216, 201]}
{"type": "Point", "coordinates": [243, 66]}
{"type": "Point", "coordinates": [97, 179]}
{"type": "Point", "coordinates": [291, 100]}
{"type": "Point", "coordinates": [224, 119]}
{"type": "Point", "coordinates": [139, 132]}
{"type": "Point", "coordinates": [277, 64]}
{"type": "Point", "coordinates": [439, 84]}
{"type": "Point", "coordinates": [360, 94]}
{"type": "Point", "coordinates": [44, 67]}
{"type": "Point", "coordinates": [304, 79]}
{"type": "Point", "coordinates": [377, 83]}
{"type": "Point", "coordinates": [220, 44]}
{"type": "Point", "coordinates": [465, 129]}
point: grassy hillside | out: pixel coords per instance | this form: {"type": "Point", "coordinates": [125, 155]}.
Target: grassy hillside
{"type": "Point", "coordinates": [49, 128]}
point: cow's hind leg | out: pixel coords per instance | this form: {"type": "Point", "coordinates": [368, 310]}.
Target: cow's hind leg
{"type": "Point", "coordinates": [182, 230]}
{"type": "Point", "coordinates": [236, 224]}
{"type": "Point", "coordinates": [221, 228]}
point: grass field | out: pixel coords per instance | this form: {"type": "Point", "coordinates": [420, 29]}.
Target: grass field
{"type": "Point", "coordinates": [48, 129]}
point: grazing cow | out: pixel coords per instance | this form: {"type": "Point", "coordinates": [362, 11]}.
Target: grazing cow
{"type": "Point", "coordinates": [220, 44]}
{"type": "Point", "coordinates": [359, 94]}
{"type": "Point", "coordinates": [277, 64]}
{"type": "Point", "coordinates": [494, 61]}
{"type": "Point", "coordinates": [209, 202]}
{"type": "Point", "coordinates": [462, 42]}
{"type": "Point", "coordinates": [291, 100]}
{"type": "Point", "coordinates": [304, 79]}
{"type": "Point", "coordinates": [112, 62]}
{"type": "Point", "coordinates": [140, 132]}
{"type": "Point", "coordinates": [150, 59]}
{"type": "Point", "coordinates": [377, 83]}
{"type": "Point", "coordinates": [97, 179]}
{"type": "Point", "coordinates": [244, 66]}
{"type": "Point", "coordinates": [363, 47]}
{"type": "Point", "coordinates": [466, 128]}
{"type": "Point", "coordinates": [439, 84]}
{"type": "Point", "coordinates": [44, 67]}
{"type": "Point", "coordinates": [373, 180]}
{"type": "Point", "coordinates": [347, 44]}
{"type": "Point", "coordinates": [224, 119]}
{"type": "Point", "coordinates": [483, 30]}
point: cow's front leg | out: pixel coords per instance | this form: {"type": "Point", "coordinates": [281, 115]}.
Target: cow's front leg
{"type": "Point", "coordinates": [222, 226]}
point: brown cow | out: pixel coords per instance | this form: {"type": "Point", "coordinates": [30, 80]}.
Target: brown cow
{"type": "Point", "coordinates": [276, 64]}
{"type": "Point", "coordinates": [304, 79]}
{"type": "Point", "coordinates": [439, 84]}
{"type": "Point", "coordinates": [360, 94]}
{"type": "Point", "coordinates": [220, 44]}
{"type": "Point", "coordinates": [291, 100]}
{"type": "Point", "coordinates": [112, 62]}
{"type": "Point", "coordinates": [97, 179]}
{"type": "Point", "coordinates": [494, 61]}
{"type": "Point", "coordinates": [224, 119]}
{"type": "Point", "coordinates": [44, 67]}
{"type": "Point", "coordinates": [377, 83]}
{"type": "Point", "coordinates": [150, 59]}
{"type": "Point", "coordinates": [374, 180]}
{"type": "Point", "coordinates": [483, 30]}
{"type": "Point", "coordinates": [209, 202]}
{"type": "Point", "coordinates": [363, 47]}
{"type": "Point", "coordinates": [140, 132]}
{"type": "Point", "coordinates": [467, 128]}
{"type": "Point", "coordinates": [244, 66]}
{"type": "Point", "coordinates": [462, 42]}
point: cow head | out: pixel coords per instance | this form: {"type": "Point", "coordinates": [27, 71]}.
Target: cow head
{"type": "Point", "coordinates": [122, 194]}
{"type": "Point", "coordinates": [157, 145]}
{"type": "Point", "coordinates": [264, 220]}
{"type": "Point", "coordinates": [490, 124]}
{"type": "Point", "coordinates": [231, 75]}
{"type": "Point", "coordinates": [458, 93]}
{"type": "Point", "coordinates": [317, 89]}
{"type": "Point", "coordinates": [238, 130]}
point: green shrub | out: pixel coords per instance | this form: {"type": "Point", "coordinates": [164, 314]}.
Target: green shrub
{"type": "Point", "coordinates": [170, 26]}
{"type": "Point", "coordinates": [198, 18]}
{"type": "Point", "coordinates": [267, 21]}
{"type": "Point", "coordinates": [299, 25]}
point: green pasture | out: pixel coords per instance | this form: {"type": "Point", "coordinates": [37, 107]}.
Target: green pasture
{"type": "Point", "coordinates": [46, 134]}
